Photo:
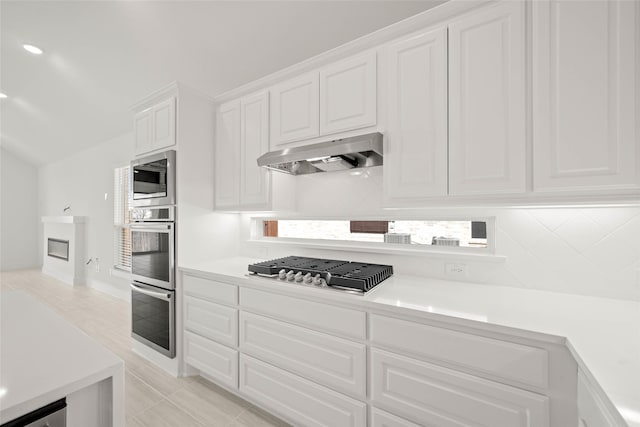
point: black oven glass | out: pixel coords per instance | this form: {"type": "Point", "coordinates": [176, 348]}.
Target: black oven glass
{"type": "Point", "coordinates": [150, 180]}
{"type": "Point", "coordinates": [151, 319]}
{"type": "Point", "coordinates": [150, 254]}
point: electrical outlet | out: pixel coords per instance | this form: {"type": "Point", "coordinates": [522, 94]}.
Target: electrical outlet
{"type": "Point", "coordinates": [455, 270]}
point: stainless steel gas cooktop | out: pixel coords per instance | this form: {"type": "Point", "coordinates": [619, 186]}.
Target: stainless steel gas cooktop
{"type": "Point", "coordinates": [356, 277]}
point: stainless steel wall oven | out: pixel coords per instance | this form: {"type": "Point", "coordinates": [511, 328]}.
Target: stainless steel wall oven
{"type": "Point", "coordinates": [153, 287]}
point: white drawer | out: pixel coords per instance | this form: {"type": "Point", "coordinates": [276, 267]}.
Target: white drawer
{"type": "Point", "coordinates": [211, 320]}
{"type": "Point", "coordinates": [328, 360]}
{"type": "Point", "coordinates": [433, 395]}
{"type": "Point", "coordinates": [302, 402]}
{"type": "Point", "coordinates": [380, 418]}
{"type": "Point", "coordinates": [210, 289]}
{"type": "Point", "coordinates": [501, 359]}
{"type": "Point", "coordinates": [213, 359]}
{"type": "Point", "coordinates": [339, 320]}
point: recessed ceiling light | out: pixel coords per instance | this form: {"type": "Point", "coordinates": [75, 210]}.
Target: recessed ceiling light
{"type": "Point", "coordinates": [2, 95]}
{"type": "Point", "coordinates": [33, 49]}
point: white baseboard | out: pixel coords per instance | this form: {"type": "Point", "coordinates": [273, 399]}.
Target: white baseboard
{"type": "Point", "coordinates": [109, 289]}
{"type": "Point", "coordinates": [163, 362]}
{"type": "Point", "coordinates": [65, 278]}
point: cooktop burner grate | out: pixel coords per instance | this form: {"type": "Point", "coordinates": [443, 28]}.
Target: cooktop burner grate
{"type": "Point", "coordinates": [353, 276]}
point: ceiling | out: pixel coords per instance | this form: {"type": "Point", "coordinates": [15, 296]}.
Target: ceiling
{"type": "Point", "coordinates": [101, 57]}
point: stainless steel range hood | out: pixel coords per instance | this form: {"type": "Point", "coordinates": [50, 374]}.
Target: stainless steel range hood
{"type": "Point", "coordinates": [340, 154]}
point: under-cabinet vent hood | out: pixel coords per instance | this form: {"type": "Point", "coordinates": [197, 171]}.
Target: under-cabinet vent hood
{"type": "Point", "coordinates": [340, 154]}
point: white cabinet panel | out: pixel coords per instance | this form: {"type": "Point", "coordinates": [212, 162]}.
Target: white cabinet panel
{"type": "Point", "coordinates": [215, 360]}
{"type": "Point", "coordinates": [255, 182]}
{"type": "Point", "coordinates": [500, 359]}
{"type": "Point", "coordinates": [331, 361]}
{"type": "Point", "coordinates": [142, 132]}
{"type": "Point", "coordinates": [294, 110]}
{"type": "Point", "coordinates": [415, 162]}
{"type": "Point", "coordinates": [210, 289]}
{"type": "Point", "coordinates": [227, 156]}
{"type": "Point", "coordinates": [585, 77]}
{"type": "Point", "coordinates": [433, 395]}
{"type": "Point", "coordinates": [302, 402]}
{"type": "Point", "coordinates": [348, 94]}
{"type": "Point", "coordinates": [487, 141]}
{"type": "Point", "coordinates": [164, 124]}
{"type": "Point", "coordinates": [380, 418]}
{"type": "Point", "coordinates": [338, 320]}
{"type": "Point", "coordinates": [211, 320]}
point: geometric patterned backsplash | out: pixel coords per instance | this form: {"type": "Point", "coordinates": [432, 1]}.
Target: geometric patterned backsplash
{"type": "Point", "coordinates": [588, 251]}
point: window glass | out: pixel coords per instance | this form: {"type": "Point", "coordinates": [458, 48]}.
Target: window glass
{"type": "Point", "coordinates": [458, 233]}
{"type": "Point", "coordinates": [121, 233]}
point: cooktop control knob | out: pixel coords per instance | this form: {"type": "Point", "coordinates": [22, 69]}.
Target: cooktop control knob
{"type": "Point", "coordinates": [298, 276]}
{"type": "Point", "coordinates": [282, 274]}
{"type": "Point", "coordinates": [289, 275]}
{"type": "Point", "coordinates": [307, 278]}
{"type": "Point", "coordinates": [317, 280]}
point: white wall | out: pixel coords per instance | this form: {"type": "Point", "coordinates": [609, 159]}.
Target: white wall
{"type": "Point", "coordinates": [18, 213]}
{"type": "Point", "coordinates": [84, 181]}
{"type": "Point", "coordinates": [589, 251]}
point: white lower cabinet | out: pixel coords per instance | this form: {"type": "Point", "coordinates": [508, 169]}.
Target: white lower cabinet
{"type": "Point", "coordinates": [300, 401]}
{"type": "Point", "coordinates": [216, 360]}
{"type": "Point", "coordinates": [335, 362]}
{"type": "Point", "coordinates": [434, 395]}
{"type": "Point", "coordinates": [211, 320]}
{"type": "Point", "coordinates": [380, 418]}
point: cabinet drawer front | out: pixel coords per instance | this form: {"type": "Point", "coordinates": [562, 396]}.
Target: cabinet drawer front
{"type": "Point", "coordinates": [500, 359]}
{"type": "Point", "coordinates": [302, 402]}
{"type": "Point", "coordinates": [434, 395]}
{"type": "Point", "coordinates": [315, 315]}
{"type": "Point", "coordinates": [211, 320]}
{"type": "Point", "coordinates": [210, 290]}
{"type": "Point", "coordinates": [334, 362]}
{"type": "Point", "coordinates": [380, 418]}
{"type": "Point", "coordinates": [213, 359]}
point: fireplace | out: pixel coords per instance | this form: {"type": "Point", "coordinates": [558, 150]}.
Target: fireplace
{"type": "Point", "coordinates": [58, 248]}
{"type": "Point", "coordinates": [63, 248]}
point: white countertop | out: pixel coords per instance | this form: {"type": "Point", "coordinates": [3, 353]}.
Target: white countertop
{"type": "Point", "coordinates": [603, 334]}
{"type": "Point", "coordinates": [44, 358]}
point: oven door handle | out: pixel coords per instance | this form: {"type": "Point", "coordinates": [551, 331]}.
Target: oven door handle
{"type": "Point", "coordinates": [160, 295]}
{"type": "Point", "coordinates": [138, 226]}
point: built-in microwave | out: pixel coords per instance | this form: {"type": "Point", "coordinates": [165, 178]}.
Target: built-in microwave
{"type": "Point", "coordinates": [153, 180]}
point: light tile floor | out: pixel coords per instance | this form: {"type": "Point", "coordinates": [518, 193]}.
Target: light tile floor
{"type": "Point", "coordinates": [153, 397]}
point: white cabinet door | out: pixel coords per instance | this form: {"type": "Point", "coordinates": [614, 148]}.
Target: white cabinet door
{"type": "Point", "coordinates": [348, 94]}
{"type": "Point", "coordinates": [335, 362]}
{"type": "Point", "coordinates": [415, 160]}
{"type": "Point", "coordinates": [211, 320]}
{"type": "Point", "coordinates": [302, 402]}
{"type": "Point", "coordinates": [294, 110]}
{"type": "Point", "coordinates": [584, 81]}
{"type": "Point", "coordinates": [227, 157]}
{"type": "Point", "coordinates": [487, 141]}
{"type": "Point", "coordinates": [164, 124]}
{"type": "Point", "coordinates": [255, 181]}
{"type": "Point", "coordinates": [213, 359]}
{"type": "Point", "coordinates": [142, 132]}
{"type": "Point", "coordinates": [433, 395]}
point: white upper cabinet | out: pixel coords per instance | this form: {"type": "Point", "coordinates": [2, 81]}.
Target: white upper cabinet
{"type": "Point", "coordinates": [415, 162]}
{"type": "Point", "coordinates": [294, 110]}
{"type": "Point", "coordinates": [155, 128]}
{"type": "Point", "coordinates": [487, 140]}
{"type": "Point", "coordinates": [242, 136]}
{"type": "Point", "coordinates": [227, 156]}
{"type": "Point", "coordinates": [348, 94]}
{"type": "Point", "coordinates": [584, 83]}
{"type": "Point", "coordinates": [255, 181]}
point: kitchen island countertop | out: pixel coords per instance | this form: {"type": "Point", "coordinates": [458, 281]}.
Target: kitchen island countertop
{"type": "Point", "coordinates": [603, 334]}
{"type": "Point", "coordinates": [43, 358]}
